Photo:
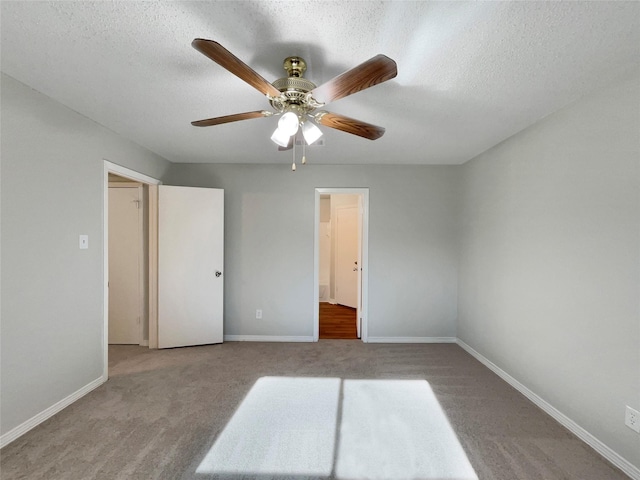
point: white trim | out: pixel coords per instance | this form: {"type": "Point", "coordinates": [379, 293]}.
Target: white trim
{"type": "Point", "coordinates": [153, 266]}
{"type": "Point", "coordinates": [316, 267]}
{"type": "Point", "coordinates": [132, 175]}
{"type": "Point", "coordinates": [573, 427]}
{"type": "Point", "coordinates": [36, 420]}
{"type": "Point", "coordinates": [124, 184]}
{"type": "Point", "coordinates": [412, 340]}
{"type": "Point", "coordinates": [365, 257]}
{"type": "Point", "coordinates": [105, 272]}
{"type": "Point", "coordinates": [266, 338]}
{"type": "Point", "coordinates": [141, 293]}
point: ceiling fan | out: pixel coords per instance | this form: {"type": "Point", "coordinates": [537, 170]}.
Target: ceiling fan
{"type": "Point", "coordinates": [297, 100]}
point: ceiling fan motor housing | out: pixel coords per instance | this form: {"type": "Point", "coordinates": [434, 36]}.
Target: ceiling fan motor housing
{"type": "Point", "coordinates": [294, 88]}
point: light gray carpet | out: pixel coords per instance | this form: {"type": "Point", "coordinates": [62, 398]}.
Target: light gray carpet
{"type": "Point", "coordinates": [162, 413]}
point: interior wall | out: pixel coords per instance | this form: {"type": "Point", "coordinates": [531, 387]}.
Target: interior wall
{"type": "Point", "coordinates": [52, 292]}
{"type": "Point", "coordinates": [550, 261]}
{"type": "Point", "coordinates": [269, 238]}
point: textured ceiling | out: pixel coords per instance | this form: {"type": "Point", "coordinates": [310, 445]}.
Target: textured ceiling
{"type": "Point", "coordinates": [470, 74]}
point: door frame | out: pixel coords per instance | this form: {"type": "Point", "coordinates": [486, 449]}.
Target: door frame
{"type": "Point", "coordinates": [110, 167]}
{"type": "Point", "coordinates": [364, 289]}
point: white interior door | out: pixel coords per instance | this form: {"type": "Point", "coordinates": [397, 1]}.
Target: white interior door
{"type": "Point", "coordinates": [125, 244]}
{"type": "Point", "coordinates": [190, 266]}
{"type": "Point", "coordinates": [347, 267]}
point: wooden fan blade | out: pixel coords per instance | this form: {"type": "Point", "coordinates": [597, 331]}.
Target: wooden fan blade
{"type": "Point", "coordinates": [228, 60]}
{"type": "Point", "coordinates": [349, 125]}
{"type": "Point", "coordinates": [230, 118]}
{"type": "Point", "coordinates": [372, 72]}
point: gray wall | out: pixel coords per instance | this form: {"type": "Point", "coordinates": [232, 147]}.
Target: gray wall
{"type": "Point", "coordinates": [550, 265]}
{"type": "Point", "coordinates": [269, 225]}
{"type": "Point", "coordinates": [52, 292]}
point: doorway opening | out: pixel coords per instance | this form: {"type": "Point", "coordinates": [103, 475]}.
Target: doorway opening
{"type": "Point", "coordinates": [130, 268]}
{"type": "Point", "coordinates": [340, 268]}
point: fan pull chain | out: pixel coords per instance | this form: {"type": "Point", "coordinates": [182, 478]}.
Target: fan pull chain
{"type": "Point", "coordinates": [304, 158]}
{"type": "Point", "coordinates": [293, 165]}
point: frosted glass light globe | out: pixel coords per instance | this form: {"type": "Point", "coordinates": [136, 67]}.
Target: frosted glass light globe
{"type": "Point", "coordinates": [280, 137]}
{"type": "Point", "coordinates": [311, 132]}
{"type": "Point", "coordinates": [288, 123]}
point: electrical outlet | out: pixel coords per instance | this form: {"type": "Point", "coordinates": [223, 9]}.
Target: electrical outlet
{"type": "Point", "coordinates": [258, 314]}
{"type": "Point", "coordinates": [632, 419]}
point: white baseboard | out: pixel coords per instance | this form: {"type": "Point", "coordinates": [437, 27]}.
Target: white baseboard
{"type": "Point", "coordinates": [411, 339]}
{"type": "Point", "coordinates": [577, 430]}
{"type": "Point", "coordinates": [266, 338]}
{"type": "Point", "coordinates": [36, 420]}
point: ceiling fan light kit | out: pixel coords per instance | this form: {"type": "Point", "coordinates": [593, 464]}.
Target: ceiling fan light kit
{"type": "Point", "coordinates": [295, 99]}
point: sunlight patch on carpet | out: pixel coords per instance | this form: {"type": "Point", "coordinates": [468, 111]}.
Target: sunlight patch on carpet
{"type": "Point", "coordinates": [396, 429]}
{"type": "Point", "coordinates": [285, 426]}
{"type": "Point", "coordinates": [386, 429]}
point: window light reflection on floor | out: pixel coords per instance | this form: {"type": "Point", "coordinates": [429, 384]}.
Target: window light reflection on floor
{"type": "Point", "coordinates": [396, 429]}
{"type": "Point", "coordinates": [284, 426]}
{"type": "Point", "coordinates": [385, 429]}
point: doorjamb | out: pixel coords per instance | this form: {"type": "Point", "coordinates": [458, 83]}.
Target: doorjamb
{"type": "Point", "coordinates": [110, 167]}
{"type": "Point", "coordinates": [365, 256]}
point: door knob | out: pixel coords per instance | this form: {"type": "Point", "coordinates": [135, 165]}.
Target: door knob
{"type": "Point", "coordinates": [218, 273]}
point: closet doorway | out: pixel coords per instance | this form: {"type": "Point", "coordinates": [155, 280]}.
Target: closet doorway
{"type": "Point", "coordinates": [128, 314]}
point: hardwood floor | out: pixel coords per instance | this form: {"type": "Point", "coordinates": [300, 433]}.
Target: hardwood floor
{"type": "Point", "coordinates": [337, 322]}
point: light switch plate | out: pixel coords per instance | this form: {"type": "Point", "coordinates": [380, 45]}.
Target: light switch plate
{"type": "Point", "coordinates": [84, 242]}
